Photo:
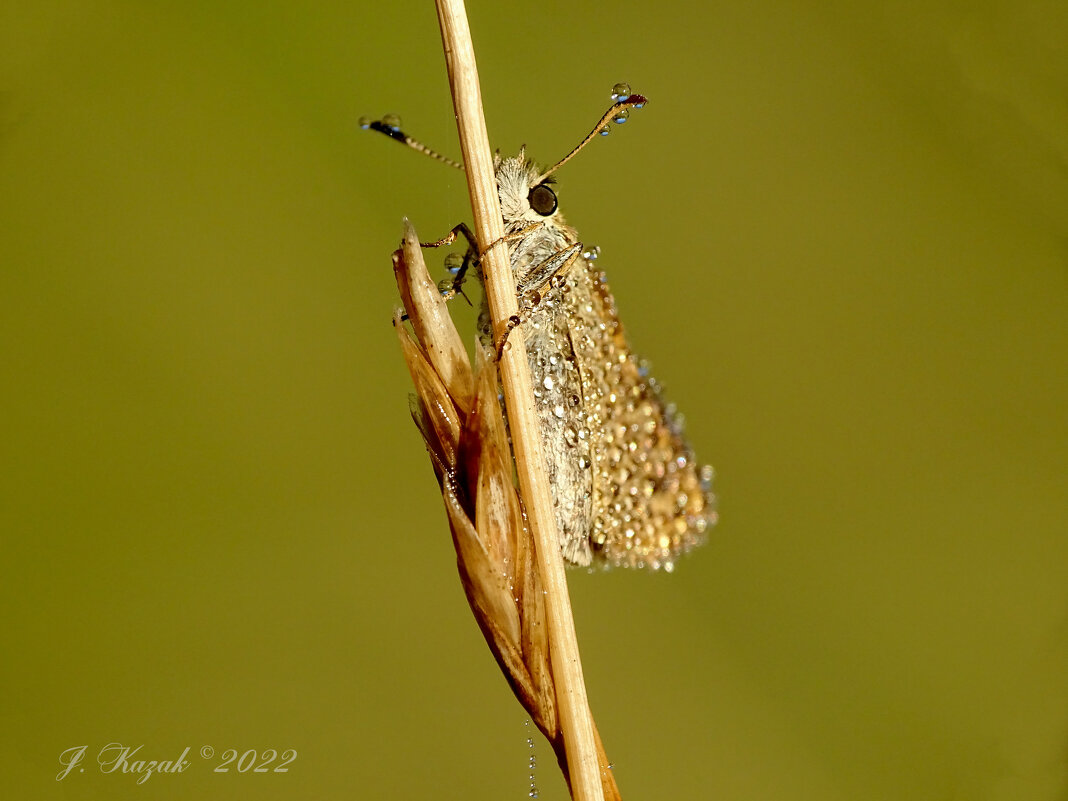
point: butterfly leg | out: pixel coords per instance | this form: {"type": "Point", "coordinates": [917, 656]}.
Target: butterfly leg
{"type": "Point", "coordinates": [472, 256]}
{"type": "Point", "coordinates": [530, 288]}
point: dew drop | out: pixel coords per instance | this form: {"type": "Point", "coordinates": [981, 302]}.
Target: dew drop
{"type": "Point", "coordinates": [606, 130]}
{"type": "Point", "coordinates": [706, 475]}
{"type": "Point", "coordinates": [621, 117]}
{"type": "Point", "coordinates": [548, 382]}
{"type": "Point", "coordinates": [558, 410]}
{"type": "Point", "coordinates": [453, 263]}
{"type": "Point", "coordinates": [365, 122]}
{"type": "Point", "coordinates": [392, 121]}
{"type": "Point", "coordinates": [445, 286]}
{"type": "Point", "coordinates": [620, 92]}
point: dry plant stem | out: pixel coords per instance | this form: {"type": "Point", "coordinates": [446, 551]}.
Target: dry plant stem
{"type": "Point", "coordinates": [576, 722]}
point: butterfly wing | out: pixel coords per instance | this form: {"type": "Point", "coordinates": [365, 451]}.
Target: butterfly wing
{"type": "Point", "coordinates": [651, 500]}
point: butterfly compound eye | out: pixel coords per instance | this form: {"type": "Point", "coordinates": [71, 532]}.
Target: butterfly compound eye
{"type": "Point", "coordinates": [542, 200]}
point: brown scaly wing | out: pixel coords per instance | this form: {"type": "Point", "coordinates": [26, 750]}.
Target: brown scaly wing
{"type": "Point", "coordinates": [651, 501]}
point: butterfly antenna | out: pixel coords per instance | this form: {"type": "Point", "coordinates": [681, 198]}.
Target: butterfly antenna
{"type": "Point", "coordinates": [618, 114]}
{"type": "Point", "coordinates": [390, 126]}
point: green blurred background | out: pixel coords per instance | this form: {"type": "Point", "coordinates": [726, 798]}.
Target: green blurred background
{"type": "Point", "coordinates": [840, 234]}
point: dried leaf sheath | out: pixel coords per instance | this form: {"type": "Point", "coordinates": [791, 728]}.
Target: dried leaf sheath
{"type": "Point", "coordinates": [460, 418]}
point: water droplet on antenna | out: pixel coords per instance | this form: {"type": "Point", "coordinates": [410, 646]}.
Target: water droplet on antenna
{"type": "Point", "coordinates": [620, 92]}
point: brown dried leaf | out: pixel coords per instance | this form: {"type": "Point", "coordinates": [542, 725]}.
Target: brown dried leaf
{"type": "Point", "coordinates": [497, 509]}
{"type": "Point", "coordinates": [415, 406]}
{"type": "Point", "coordinates": [470, 453]}
{"type": "Point", "coordinates": [438, 408]}
{"type": "Point", "coordinates": [493, 428]}
{"type": "Point", "coordinates": [430, 318]}
{"type": "Point", "coordinates": [497, 515]}
{"type": "Point", "coordinates": [487, 587]}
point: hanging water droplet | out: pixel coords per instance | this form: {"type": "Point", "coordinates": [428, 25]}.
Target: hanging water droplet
{"type": "Point", "coordinates": [620, 92]}
{"type": "Point", "coordinates": [621, 116]}
{"type": "Point", "coordinates": [365, 122]}
{"type": "Point", "coordinates": [392, 121]}
{"type": "Point", "coordinates": [706, 475]}
{"type": "Point", "coordinates": [445, 286]}
{"type": "Point", "coordinates": [453, 262]}
{"type": "Point", "coordinates": [594, 252]}
{"type": "Point", "coordinates": [639, 104]}
{"type": "Point", "coordinates": [605, 130]}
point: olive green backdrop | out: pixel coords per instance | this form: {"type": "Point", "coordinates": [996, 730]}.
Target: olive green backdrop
{"type": "Point", "coordinates": [839, 234]}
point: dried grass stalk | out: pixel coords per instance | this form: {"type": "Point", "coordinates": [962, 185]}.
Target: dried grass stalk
{"type": "Point", "coordinates": [572, 705]}
{"type": "Point", "coordinates": [458, 413]}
